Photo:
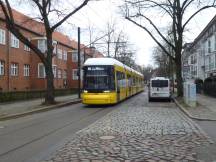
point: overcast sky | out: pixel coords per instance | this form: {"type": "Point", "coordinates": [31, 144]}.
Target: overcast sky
{"type": "Point", "coordinates": [98, 13]}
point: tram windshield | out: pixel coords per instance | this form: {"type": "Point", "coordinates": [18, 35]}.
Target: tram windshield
{"type": "Point", "coordinates": [98, 78]}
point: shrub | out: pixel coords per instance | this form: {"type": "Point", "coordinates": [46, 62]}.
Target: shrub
{"type": "Point", "coordinates": [26, 95]}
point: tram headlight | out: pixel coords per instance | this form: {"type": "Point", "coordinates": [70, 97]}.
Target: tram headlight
{"type": "Point", "coordinates": [106, 91]}
{"type": "Point", "coordinates": [85, 91]}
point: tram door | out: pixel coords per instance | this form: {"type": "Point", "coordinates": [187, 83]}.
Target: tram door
{"type": "Point", "coordinates": [129, 84]}
{"type": "Point", "coordinates": [118, 85]}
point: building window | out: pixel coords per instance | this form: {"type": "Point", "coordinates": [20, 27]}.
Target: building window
{"type": "Point", "coordinates": [54, 49]}
{"type": "Point", "coordinates": [75, 76]}
{"type": "Point", "coordinates": [2, 36]}
{"type": "Point", "coordinates": [64, 74]}
{"type": "Point", "coordinates": [54, 68]}
{"type": "Point", "coordinates": [81, 75]}
{"type": "Point", "coordinates": [26, 70]}
{"type": "Point", "coordinates": [195, 70]}
{"type": "Point", "coordinates": [215, 61]}
{"type": "Point", "coordinates": [75, 56]}
{"type": "Point", "coordinates": [191, 59]}
{"type": "Point", "coordinates": [209, 63]}
{"type": "Point", "coordinates": [41, 71]}
{"type": "Point", "coordinates": [26, 48]}
{"type": "Point", "coordinates": [59, 73]}
{"type": "Point", "coordinates": [2, 67]}
{"type": "Point", "coordinates": [82, 57]}
{"type": "Point", "coordinates": [14, 41]}
{"type": "Point", "coordinates": [215, 42]}
{"type": "Point", "coordinates": [209, 46]}
{"type": "Point", "coordinates": [14, 69]}
{"type": "Point", "coordinates": [64, 55]}
{"type": "Point", "coordinates": [59, 53]}
{"type": "Point", "coordinates": [42, 45]}
{"type": "Point", "coordinates": [206, 48]}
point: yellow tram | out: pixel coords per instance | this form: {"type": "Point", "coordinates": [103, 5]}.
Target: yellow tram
{"type": "Point", "coordinates": [108, 81]}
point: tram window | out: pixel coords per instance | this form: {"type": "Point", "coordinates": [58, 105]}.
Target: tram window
{"type": "Point", "coordinates": [129, 80]}
{"type": "Point", "coordinates": [120, 79]}
{"type": "Point", "coordinates": [134, 81]}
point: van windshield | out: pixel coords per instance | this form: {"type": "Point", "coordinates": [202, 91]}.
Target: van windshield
{"type": "Point", "coordinates": [159, 83]}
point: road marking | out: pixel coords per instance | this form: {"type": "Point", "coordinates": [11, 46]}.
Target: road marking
{"type": "Point", "coordinates": [1, 127]}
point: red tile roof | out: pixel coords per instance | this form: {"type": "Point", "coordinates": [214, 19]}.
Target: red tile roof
{"type": "Point", "coordinates": [38, 27]}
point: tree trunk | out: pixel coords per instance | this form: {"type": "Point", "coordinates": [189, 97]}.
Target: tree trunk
{"type": "Point", "coordinates": [49, 97]}
{"type": "Point", "coordinates": [179, 77]}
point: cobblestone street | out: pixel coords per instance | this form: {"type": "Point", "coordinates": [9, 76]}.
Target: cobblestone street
{"type": "Point", "coordinates": [136, 131]}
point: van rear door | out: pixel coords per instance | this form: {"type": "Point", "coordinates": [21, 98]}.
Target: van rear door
{"type": "Point", "coordinates": [159, 86]}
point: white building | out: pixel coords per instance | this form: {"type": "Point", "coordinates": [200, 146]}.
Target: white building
{"type": "Point", "coordinates": [199, 57]}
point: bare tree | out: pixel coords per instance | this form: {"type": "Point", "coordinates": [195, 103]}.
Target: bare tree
{"type": "Point", "coordinates": [177, 12]}
{"type": "Point", "coordinates": [126, 55]}
{"type": "Point", "coordinates": [162, 62]}
{"type": "Point", "coordinates": [147, 71]}
{"type": "Point", "coordinates": [110, 32]}
{"type": "Point", "coordinates": [47, 9]}
{"type": "Point", "coordinates": [117, 44]}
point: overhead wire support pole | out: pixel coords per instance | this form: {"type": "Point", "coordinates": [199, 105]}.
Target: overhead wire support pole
{"type": "Point", "coordinates": [108, 43]}
{"type": "Point", "coordinates": [79, 87]}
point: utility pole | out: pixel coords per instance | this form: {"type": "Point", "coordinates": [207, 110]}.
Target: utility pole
{"type": "Point", "coordinates": [108, 50]}
{"type": "Point", "coordinates": [79, 96]}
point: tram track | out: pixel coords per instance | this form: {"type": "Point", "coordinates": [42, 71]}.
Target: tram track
{"type": "Point", "coordinates": [82, 118]}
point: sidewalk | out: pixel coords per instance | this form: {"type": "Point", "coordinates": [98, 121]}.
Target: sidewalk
{"type": "Point", "coordinates": [22, 108]}
{"type": "Point", "coordinates": [205, 109]}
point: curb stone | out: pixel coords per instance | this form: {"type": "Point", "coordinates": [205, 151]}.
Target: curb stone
{"type": "Point", "coordinates": [43, 109]}
{"type": "Point", "coordinates": [188, 114]}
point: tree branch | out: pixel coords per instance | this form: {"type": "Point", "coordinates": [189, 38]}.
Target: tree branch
{"type": "Point", "coordinates": [154, 26]}
{"type": "Point", "coordinates": [70, 14]}
{"type": "Point", "coordinates": [162, 5]}
{"type": "Point", "coordinates": [152, 36]}
{"type": "Point", "coordinates": [201, 9]}
{"type": "Point", "coordinates": [185, 5]}
{"type": "Point", "coordinates": [174, 23]}
{"type": "Point", "coordinates": [12, 26]}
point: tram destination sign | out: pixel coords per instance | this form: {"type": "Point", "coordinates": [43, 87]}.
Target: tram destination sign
{"type": "Point", "coordinates": [93, 68]}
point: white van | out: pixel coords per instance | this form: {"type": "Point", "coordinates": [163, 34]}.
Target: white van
{"type": "Point", "coordinates": [159, 87]}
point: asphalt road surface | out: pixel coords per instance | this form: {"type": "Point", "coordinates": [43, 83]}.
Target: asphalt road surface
{"type": "Point", "coordinates": [35, 137]}
{"type": "Point", "coordinates": [32, 137]}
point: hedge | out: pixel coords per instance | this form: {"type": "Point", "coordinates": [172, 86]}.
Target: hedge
{"type": "Point", "coordinates": [26, 95]}
{"type": "Point", "coordinates": [209, 86]}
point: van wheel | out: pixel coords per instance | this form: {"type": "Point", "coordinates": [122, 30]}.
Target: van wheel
{"type": "Point", "coordinates": [149, 99]}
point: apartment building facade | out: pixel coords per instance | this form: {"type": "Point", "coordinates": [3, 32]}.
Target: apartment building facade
{"type": "Point", "coordinates": [199, 57]}
{"type": "Point", "coordinates": [22, 70]}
